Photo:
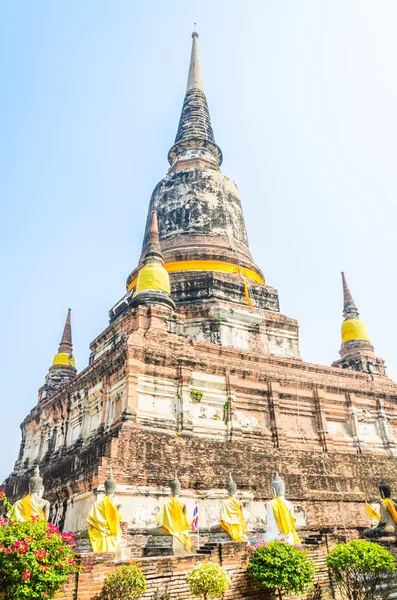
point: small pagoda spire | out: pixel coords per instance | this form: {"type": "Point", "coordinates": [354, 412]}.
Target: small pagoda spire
{"type": "Point", "coordinates": [66, 345]}
{"type": "Point", "coordinates": [349, 308]}
{"type": "Point", "coordinates": [64, 357]}
{"type": "Point", "coordinates": [63, 369]}
{"type": "Point", "coordinates": [357, 352]}
{"type": "Point", "coordinates": [153, 283]}
{"type": "Point", "coordinates": [195, 137]}
{"type": "Point", "coordinates": [153, 249]}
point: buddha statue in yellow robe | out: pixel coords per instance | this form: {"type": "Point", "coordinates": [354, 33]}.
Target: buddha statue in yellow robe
{"type": "Point", "coordinates": [172, 517]}
{"type": "Point", "coordinates": [104, 521]}
{"type": "Point", "coordinates": [387, 526]}
{"type": "Point", "coordinates": [33, 505]}
{"type": "Point", "coordinates": [231, 517]}
{"type": "Point", "coordinates": [280, 515]}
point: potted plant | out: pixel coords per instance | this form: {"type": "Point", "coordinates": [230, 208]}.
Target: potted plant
{"type": "Point", "coordinates": [208, 580]}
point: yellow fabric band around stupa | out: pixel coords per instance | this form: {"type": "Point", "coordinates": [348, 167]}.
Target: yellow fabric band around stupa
{"type": "Point", "coordinates": [63, 358]}
{"type": "Point", "coordinates": [354, 329]}
{"type": "Point", "coordinates": [203, 265]}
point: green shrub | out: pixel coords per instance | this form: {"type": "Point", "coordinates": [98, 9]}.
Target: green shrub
{"type": "Point", "coordinates": [281, 566]}
{"type": "Point", "coordinates": [208, 580]}
{"type": "Point", "coordinates": [362, 570]}
{"type": "Point", "coordinates": [126, 583]}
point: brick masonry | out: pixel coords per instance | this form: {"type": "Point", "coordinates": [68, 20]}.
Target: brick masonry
{"type": "Point", "coordinates": [170, 573]}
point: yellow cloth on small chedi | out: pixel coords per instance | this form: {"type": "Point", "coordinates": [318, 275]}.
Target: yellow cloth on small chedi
{"type": "Point", "coordinates": [104, 521]}
{"type": "Point", "coordinates": [174, 521]}
{"type": "Point", "coordinates": [280, 515]}
{"type": "Point", "coordinates": [32, 505]}
{"type": "Point", "coordinates": [231, 517]}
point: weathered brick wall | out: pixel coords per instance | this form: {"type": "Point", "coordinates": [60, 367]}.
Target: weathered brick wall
{"type": "Point", "coordinates": [170, 574]}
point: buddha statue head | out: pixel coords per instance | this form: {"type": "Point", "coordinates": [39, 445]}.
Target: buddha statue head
{"type": "Point", "coordinates": [231, 486]}
{"type": "Point", "coordinates": [110, 484]}
{"type": "Point", "coordinates": [175, 486]}
{"type": "Point", "coordinates": [278, 486]}
{"type": "Point", "coordinates": [385, 489]}
{"type": "Point", "coordinates": [36, 483]}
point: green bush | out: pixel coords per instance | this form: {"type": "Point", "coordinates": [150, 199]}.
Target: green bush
{"type": "Point", "coordinates": [281, 566]}
{"type": "Point", "coordinates": [362, 570]}
{"type": "Point", "coordinates": [208, 580]}
{"type": "Point", "coordinates": [126, 583]}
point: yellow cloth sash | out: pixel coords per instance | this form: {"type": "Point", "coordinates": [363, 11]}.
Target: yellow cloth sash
{"type": "Point", "coordinates": [174, 521]}
{"type": "Point", "coordinates": [104, 526]}
{"type": "Point", "coordinates": [371, 512]}
{"type": "Point", "coordinates": [232, 520]}
{"type": "Point", "coordinates": [207, 265]}
{"type": "Point", "coordinates": [26, 508]}
{"type": "Point", "coordinates": [285, 521]}
{"type": "Point", "coordinates": [391, 508]}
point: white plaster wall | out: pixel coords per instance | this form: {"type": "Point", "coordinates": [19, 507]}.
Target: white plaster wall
{"type": "Point", "coordinates": [140, 505]}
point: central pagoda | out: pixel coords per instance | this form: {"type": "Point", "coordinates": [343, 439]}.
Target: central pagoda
{"type": "Point", "coordinates": [199, 372]}
{"type": "Point", "coordinates": [204, 241]}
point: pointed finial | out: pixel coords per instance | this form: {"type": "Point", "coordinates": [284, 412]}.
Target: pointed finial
{"type": "Point", "coordinates": [349, 308]}
{"type": "Point", "coordinates": [66, 341]}
{"type": "Point", "coordinates": [195, 78]}
{"type": "Point", "coordinates": [153, 249]}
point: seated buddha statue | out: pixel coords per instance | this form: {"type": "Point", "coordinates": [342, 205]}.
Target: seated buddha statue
{"type": "Point", "coordinates": [104, 521]}
{"type": "Point", "coordinates": [280, 515]}
{"type": "Point", "coordinates": [33, 504]}
{"type": "Point", "coordinates": [172, 518]}
{"type": "Point", "coordinates": [387, 526]}
{"type": "Point", "coordinates": [231, 517]}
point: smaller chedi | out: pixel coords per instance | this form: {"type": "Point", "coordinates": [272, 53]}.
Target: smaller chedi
{"type": "Point", "coordinates": [33, 504]}
{"type": "Point", "coordinates": [172, 517]}
{"type": "Point", "coordinates": [231, 518]}
{"type": "Point", "coordinates": [387, 526]}
{"type": "Point", "coordinates": [280, 515]}
{"type": "Point", "coordinates": [104, 521]}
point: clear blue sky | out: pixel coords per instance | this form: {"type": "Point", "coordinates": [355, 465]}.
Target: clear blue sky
{"type": "Point", "coordinates": [303, 98]}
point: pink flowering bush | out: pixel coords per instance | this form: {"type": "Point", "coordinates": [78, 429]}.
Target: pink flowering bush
{"type": "Point", "coordinates": [36, 559]}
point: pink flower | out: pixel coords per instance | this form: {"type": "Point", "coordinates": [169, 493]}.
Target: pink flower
{"type": "Point", "coordinates": [52, 528]}
{"type": "Point", "coordinates": [26, 574]}
{"type": "Point", "coordinates": [67, 537]}
{"type": "Point", "coordinates": [40, 554]}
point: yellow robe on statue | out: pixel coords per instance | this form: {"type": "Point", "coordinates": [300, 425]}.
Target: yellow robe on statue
{"type": "Point", "coordinates": [104, 526]}
{"type": "Point", "coordinates": [26, 508]}
{"type": "Point", "coordinates": [285, 521]}
{"type": "Point", "coordinates": [391, 508]}
{"type": "Point", "coordinates": [174, 521]}
{"type": "Point", "coordinates": [232, 520]}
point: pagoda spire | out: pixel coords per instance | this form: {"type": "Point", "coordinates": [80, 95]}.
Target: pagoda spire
{"type": "Point", "coordinates": [195, 138]}
{"type": "Point", "coordinates": [153, 250]}
{"type": "Point", "coordinates": [357, 352]}
{"type": "Point", "coordinates": [63, 369]}
{"type": "Point", "coordinates": [349, 308]}
{"type": "Point", "coordinates": [195, 77]}
{"type": "Point", "coordinates": [153, 283]}
{"type": "Point", "coordinates": [66, 342]}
